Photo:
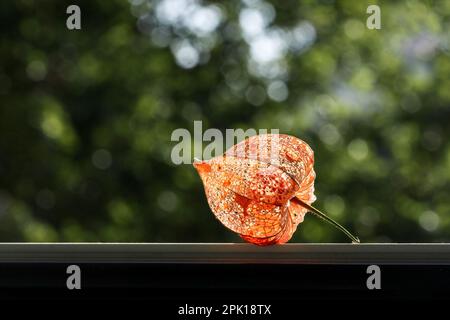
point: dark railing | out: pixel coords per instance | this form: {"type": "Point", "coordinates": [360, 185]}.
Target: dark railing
{"type": "Point", "coordinates": [174, 275]}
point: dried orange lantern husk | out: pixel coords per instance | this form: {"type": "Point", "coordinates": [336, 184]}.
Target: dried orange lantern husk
{"type": "Point", "coordinates": [262, 187]}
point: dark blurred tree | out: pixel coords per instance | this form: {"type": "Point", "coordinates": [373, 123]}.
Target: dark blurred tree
{"type": "Point", "coordinates": [86, 116]}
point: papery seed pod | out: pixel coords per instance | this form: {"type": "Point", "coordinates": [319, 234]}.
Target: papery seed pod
{"type": "Point", "coordinates": [262, 187]}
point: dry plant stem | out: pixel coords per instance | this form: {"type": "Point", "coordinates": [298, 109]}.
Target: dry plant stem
{"type": "Point", "coordinates": [323, 216]}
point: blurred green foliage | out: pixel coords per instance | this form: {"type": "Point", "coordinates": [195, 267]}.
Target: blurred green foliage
{"type": "Point", "coordinates": [86, 116]}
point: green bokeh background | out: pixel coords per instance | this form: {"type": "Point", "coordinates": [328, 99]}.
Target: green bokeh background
{"type": "Point", "coordinates": [86, 116]}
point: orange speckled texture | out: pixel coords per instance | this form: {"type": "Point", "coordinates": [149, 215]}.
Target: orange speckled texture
{"type": "Point", "coordinates": [252, 188]}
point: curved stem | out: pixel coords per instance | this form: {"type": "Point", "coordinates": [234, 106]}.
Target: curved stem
{"type": "Point", "coordinates": [323, 216]}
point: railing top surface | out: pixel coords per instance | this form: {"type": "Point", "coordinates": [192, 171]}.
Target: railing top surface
{"type": "Point", "coordinates": [293, 253]}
